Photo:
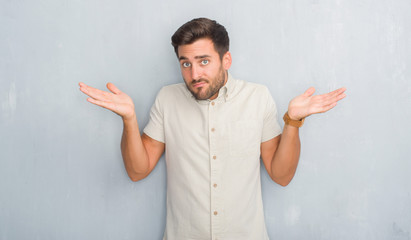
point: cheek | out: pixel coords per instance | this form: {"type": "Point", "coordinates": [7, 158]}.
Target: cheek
{"type": "Point", "coordinates": [185, 73]}
{"type": "Point", "coordinates": [212, 70]}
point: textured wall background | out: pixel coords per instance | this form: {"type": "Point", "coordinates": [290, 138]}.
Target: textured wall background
{"type": "Point", "coordinates": [61, 171]}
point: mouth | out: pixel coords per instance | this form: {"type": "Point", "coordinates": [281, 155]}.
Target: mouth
{"type": "Point", "coordinates": [199, 84]}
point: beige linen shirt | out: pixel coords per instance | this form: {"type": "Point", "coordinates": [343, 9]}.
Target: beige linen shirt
{"type": "Point", "coordinates": [213, 159]}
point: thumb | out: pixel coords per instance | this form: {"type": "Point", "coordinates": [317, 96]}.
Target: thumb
{"type": "Point", "coordinates": [113, 88]}
{"type": "Point", "coordinates": [309, 92]}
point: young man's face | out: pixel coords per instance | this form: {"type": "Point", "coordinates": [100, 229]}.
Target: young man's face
{"type": "Point", "coordinates": [203, 71]}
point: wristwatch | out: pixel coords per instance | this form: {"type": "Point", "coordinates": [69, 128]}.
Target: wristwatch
{"type": "Point", "coordinates": [294, 123]}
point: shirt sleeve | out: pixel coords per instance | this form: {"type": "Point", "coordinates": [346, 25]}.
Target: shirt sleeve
{"type": "Point", "coordinates": [155, 125]}
{"type": "Point", "coordinates": [271, 127]}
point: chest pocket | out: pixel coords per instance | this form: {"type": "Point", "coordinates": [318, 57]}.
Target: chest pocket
{"type": "Point", "coordinates": [245, 138]}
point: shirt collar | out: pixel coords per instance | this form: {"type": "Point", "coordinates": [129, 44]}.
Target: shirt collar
{"type": "Point", "coordinates": [228, 88]}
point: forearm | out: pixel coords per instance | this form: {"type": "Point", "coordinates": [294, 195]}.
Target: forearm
{"type": "Point", "coordinates": [281, 154]}
{"type": "Point", "coordinates": [134, 154]}
{"type": "Point", "coordinates": [285, 160]}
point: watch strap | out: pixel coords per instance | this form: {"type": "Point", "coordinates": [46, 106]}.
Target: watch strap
{"type": "Point", "coordinates": [294, 123]}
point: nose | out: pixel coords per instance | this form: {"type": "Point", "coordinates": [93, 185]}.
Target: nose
{"type": "Point", "coordinates": [195, 72]}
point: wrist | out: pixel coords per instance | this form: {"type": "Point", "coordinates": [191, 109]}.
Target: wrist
{"type": "Point", "coordinates": [129, 118]}
{"type": "Point", "coordinates": [292, 116]}
{"type": "Point", "coordinates": [288, 120]}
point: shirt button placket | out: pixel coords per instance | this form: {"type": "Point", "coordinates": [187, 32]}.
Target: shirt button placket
{"type": "Point", "coordinates": [214, 214]}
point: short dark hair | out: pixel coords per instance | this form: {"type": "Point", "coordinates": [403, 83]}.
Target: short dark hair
{"type": "Point", "coordinates": [202, 28]}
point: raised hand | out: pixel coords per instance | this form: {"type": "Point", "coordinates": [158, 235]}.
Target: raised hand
{"type": "Point", "coordinates": [306, 104]}
{"type": "Point", "coordinates": [115, 100]}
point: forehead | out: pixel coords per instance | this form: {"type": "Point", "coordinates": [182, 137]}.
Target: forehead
{"type": "Point", "coordinates": [200, 47]}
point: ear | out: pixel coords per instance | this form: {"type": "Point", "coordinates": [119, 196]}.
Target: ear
{"type": "Point", "coordinates": [227, 60]}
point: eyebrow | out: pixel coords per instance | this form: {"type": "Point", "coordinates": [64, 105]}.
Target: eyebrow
{"type": "Point", "coordinates": [196, 57]}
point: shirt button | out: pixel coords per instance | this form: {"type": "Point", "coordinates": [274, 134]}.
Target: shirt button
{"type": "Point", "coordinates": [215, 185]}
{"type": "Point", "coordinates": [214, 157]}
{"type": "Point", "coordinates": [215, 213]}
{"type": "Point", "coordinates": [213, 103]}
{"type": "Point", "coordinates": [213, 129]}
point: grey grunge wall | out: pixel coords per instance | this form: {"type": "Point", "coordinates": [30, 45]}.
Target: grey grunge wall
{"type": "Point", "coordinates": [61, 171]}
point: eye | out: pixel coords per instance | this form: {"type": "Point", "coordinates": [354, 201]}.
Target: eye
{"type": "Point", "coordinates": [186, 64]}
{"type": "Point", "coordinates": [204, 62]}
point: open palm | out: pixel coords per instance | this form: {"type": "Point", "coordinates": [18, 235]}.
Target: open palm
{"type": "Point", "coordinates": [115, 100]}
{"type": "Point", "coordinates": [306, 104]}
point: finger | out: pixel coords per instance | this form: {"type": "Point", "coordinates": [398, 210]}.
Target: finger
{"type": "Point", "coordinates": [113, 88]}
{"type": "Point", "coordinates": [323, 108]}
{"type": "Point", "coordinates": [107, 105]}
{"type": "Point", "coordinates": [333, 96]}
{"type": "Point", "coordinates": [337, 97]}
{"type": "Point", "coordinates": [341, 96]}
{"type": "Point", "coordinates": [326, 103]}
{"type": "Point", "coordinates": [328, 107]}
{"type": "Point", "coordinates": [309, 92]}
{"type": "Point", "coordinates": [83, 87]}
{"type": "Point", "coordinates": [95, 93]}
{"type": "Point", "coordinates": [329, 94]}
{"type": "Point", "coordinates": [336, 92]}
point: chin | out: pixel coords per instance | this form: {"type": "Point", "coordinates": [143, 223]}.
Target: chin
{"type": "Point", "coordinates": [199, 97]}
{"type": "Point", "coordinates": [198, 94]}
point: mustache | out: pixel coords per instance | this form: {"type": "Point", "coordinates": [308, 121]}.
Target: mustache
{"type": "Point", "coordinates": [199, 80]}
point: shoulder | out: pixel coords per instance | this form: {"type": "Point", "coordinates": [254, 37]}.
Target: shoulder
{"type": "Point", "coordinates": [172, 91]}
{"type": "Point", "coordinates": [251, 89]}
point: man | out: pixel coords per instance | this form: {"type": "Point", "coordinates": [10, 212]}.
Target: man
{"type": "Point", "coordinates": [215, 128]}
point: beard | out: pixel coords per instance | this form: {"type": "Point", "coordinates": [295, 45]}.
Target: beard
{"type": "Point", "coordinates": [213, 86]}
